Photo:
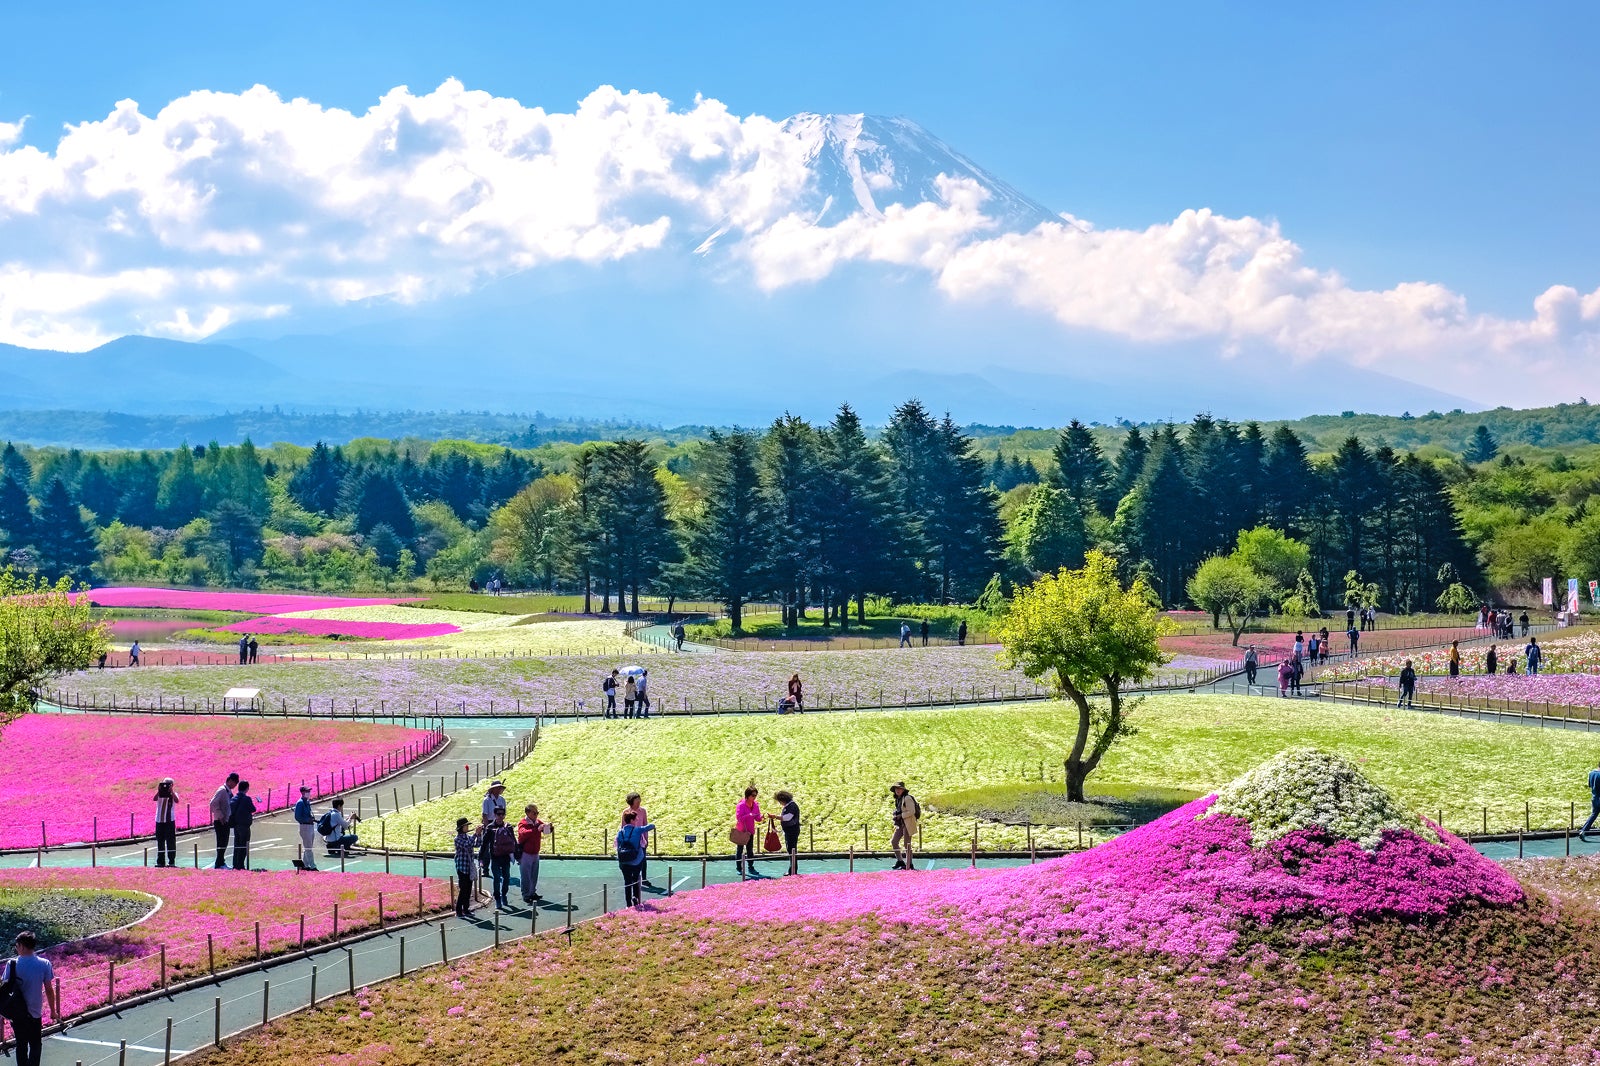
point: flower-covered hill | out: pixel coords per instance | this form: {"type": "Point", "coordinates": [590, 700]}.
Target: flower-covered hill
{"type": "Point", "coordinates": [1376, 940]}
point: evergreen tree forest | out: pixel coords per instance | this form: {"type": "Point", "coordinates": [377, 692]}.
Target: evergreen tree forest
{"type": "Point", "coordinates": [810, 515]}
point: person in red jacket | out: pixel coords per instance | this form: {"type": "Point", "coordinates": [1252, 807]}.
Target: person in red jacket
{"type": "Point", "coordinates": [530, 841]}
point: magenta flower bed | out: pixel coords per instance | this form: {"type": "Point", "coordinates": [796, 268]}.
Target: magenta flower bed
{"type": "Point", "coordinates": [331, 627]}
{"type": "Point", "coordinates": [1183, 884]}
{"type": "Point", "coordinates": [224, 905]}
{"type": "Point", "coordinates": [246, 602]}
{"type": "Point", "coordinates": [87, 776]}
{"type": "Point", "coordinates": [1568, 690]}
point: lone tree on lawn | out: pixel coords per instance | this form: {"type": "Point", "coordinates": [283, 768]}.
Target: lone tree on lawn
{"type": "Point", "coordinates": [1228, 588]}
{"type": "Point", "coordinates": [1080, 629]}
{"type": "Point", "coordinates": [43, 633]}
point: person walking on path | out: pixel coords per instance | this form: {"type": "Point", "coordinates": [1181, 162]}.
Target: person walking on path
{"type": "Point", "coordinates": [255, 650]}
{"type": "Point", "coordinates": [1325, 645]}
{"type": "Point", "coordinates": [905, 634]}
{"type": "Point", "coordinates": [494, 802]}
{"type": "Point", "coordinates": [1285, 675]}
{"type": "Point", "coordinates": [1252, 663]}
{"type": "Point", "coordinates": [789, 822]}
{"type": "Point", "coordinates": [642, 693]}
{"type": "Point", "coordinates": [609, 687]}
{"type": "Point", "coordinates": [1594, 803]}
{"type": "Point", "coordinates": [133, 654]}
{"type": "Point", "coordinates": [630, 856]}
{"type": "Point", "coordinates": [1354, 636]}
{"type": "Point", "coordinates": [306, 824]}
{"type": "Point", "coordinates": [1524, 620]}
{"type": "Point", "coordinates": [244, 650]}
{"type": "Point", "coordinates": [678, 634]}
{"type": "Point", "coordinates": [797, 692]}
{"type": "Point", "coordinates": [502, 847]}
{"type": "Point", "coordinates": [530, 842]}
{"type": "Point", "coordinates": [640, 817]}
{"type": "Point", "coordinates": [961, 634]}
{"type": "Point", "coordinates": [1349, 617]}
{"type": "Point", "coordinates": [924, 632]}
{"type": "Point", "coordinates": [466, 846]}
{"type": "Point", "coordinates": [630, 696]}
{"type": "Point", "coordinates": [166, 824]}
{"type": "Point", "coordinates": [334, 828]}
{"type": "Point", "coordinates": [746, 816]}
{"type": "Point", "coordinates": [1534, 654]}
{"type": "Point", "coordinates": [906, 812]}
{"type": "Point", "coordinates": [1297, 673]}
{"type": "Point", "coordinates": [1455, 659]}
{"type": "Point", "coordinates": [221, 816]}
{"type": "Point", "coordinates": [241, 816]}
{"type": "Point", "coordinates": [1311, 648]}
{"type": "Point", "coordinates": [1408, 685]}
{"type": "Point", "coordinates": [1491, 662]}
{"type": "Point", "coordinates": [37, 979]}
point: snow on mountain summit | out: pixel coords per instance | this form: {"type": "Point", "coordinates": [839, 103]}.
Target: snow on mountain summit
{"type": "Point", "coordinates": [867, 162]}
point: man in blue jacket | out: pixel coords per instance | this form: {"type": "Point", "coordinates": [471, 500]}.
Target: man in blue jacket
{"type": "Point", "coordinates": [1594, 803]}
{"type": "Point", "coordinates": [307, 824]}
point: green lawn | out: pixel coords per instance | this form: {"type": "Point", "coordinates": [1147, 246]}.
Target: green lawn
{"type": "Point", "coordinates": [839, 766]}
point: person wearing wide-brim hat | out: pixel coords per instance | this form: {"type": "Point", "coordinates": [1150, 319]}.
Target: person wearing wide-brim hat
{"type": "Point", "coordinates": [494, 800]}
{"type": "Point", "coordinates": [906, 812]}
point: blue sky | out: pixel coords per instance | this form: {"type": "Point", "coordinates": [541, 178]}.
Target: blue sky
{"type": "Point", "coordinates": [1452, 142]}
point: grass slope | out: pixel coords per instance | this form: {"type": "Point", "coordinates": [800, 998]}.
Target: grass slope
{"type": "Point", "coordinates": [692, 771]}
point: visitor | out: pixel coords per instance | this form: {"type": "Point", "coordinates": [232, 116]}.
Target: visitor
{"type": "Point", "coordinates": [1325, 645]}
{"type": "Point", "coordinates": [641, 817]}
{"type": "Point", "coordinates": [1491, 662]}
{"type": "Point", "coordinates": [678, 634]}
{"type": "Point", "coordinates": [1455, 659]}
{"type": "Point", "coordinates": [1594, 803]}
{"type": "Point", "coordinates": [924, 632]}
{"type": "Point", "coordinates": [1524, 620]}
{"type": "Point", "coordinates": [746, 816]}
{"type": "Point", "coordinates": [255, 650]}
{"type": "Point", "coordinates": [1285, 675]}
{"type": "Point", "coordinates": [472, 584]}
{"type": "Point", "coordinates": [1534, 655]}
{"type": "Point", "coordinates": [37, 979]}
{"type": "Point", "coordinates": [961, 634]}
{"type": "Point", "coordinates": [334, 828]}
{"type": "Point", "coordinates": [630, 696]}
{"type": "Point", "coordinates": [609, 687]}
{"type": "Point", "coordinates": [530, 842]}
{"type": "Point", "coordinates": [166, 824]}
{"type": "Point", "coordinates": [789, 822]}
{"type": "Point", "coordinates": [630, 857]}
{"type": "Point", "coordinates": [133, 653]}
{"type": "Point", "coordinates": [1312, 646]}
{"type": "Point", "coordinates": [1511, 665]}
{"type": "Point", "coordinates": [221, 811]}
{"type": "Point", "coordinates": [244, 650]}
{"type": "Point", "coordinates": [1299, 647]}
{"type": "Point", "coordinates": [905, 634]}
{"type": "Point", "coordinates": [797, 692]}
{"type": "Point", "coordinates": [102, 660]}
{"type": "Point", "coordinates": [494, 802]}
{"type": "Point", "coordinates": [642, 693]}
{"type": "Point", "coordinates": [1408, 685]}
{"type": "Point", "coordinates": [1297, 673]}
{"type": "Point", "coordinates": [1354, 636]}
{"type": "Point", "coordinates": [306, 824]}
{"type": "Point", "coordinates": [906, 812]}
{"type": "Point", "coordinates": [1252, 663]}
{"type": "Point", "coordinates": [502, 840]}
{"type": "Point", "coordinates": [466, 845]}
{"type": "Point", "coordinates": [1349, 617]}
{"type": "Point", "coordinates": [241, 815]}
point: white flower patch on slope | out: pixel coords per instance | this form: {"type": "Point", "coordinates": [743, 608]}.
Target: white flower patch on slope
{"type": "Point", "coordinates": [1303, 788]}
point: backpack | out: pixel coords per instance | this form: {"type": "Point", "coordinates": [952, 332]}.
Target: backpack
{"type": "Point", "coordinates": [606, 684]}
{"type": "Point", "coordinates": [915, 806]}
{"type": "Point", "coordinates": [627, 849]}
{"type": "Point", "coordinates": [503, 841]}
{"type": "Point", "coordinates": [13, 1005]}
{"type": "Point", "coordinates": [325, 824]}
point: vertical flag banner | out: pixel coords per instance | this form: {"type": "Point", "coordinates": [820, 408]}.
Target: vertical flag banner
{"type": "Point", "coordinates": [1594, 593]}
{"type": "Point", "coordinates": [1549, 591]}
{"type": "Point", "coordinates": [1572, 595]}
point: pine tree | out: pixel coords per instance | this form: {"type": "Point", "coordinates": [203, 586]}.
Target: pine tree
{"type": "Point", "coordinates": [15, 465]}
{"type": "Point", "coordinates": [633, 517]}
{"type": "Point", "coordinates": [235, 540]}
{"type": "Point", "coordinates": [1082, 471]}
{"type": "Point", "coordinates": [963, 530]}
{"type": "Point", "coordinates": [911, 438]}
{"type": "Point", "coordinates": [16, 514]}
{"type": "Point", "coordinates": [375, 498]}
{"type": "Point", "coordinates": [1285, 483]}
{"type": "Point", "coordinates": [858, 518]}
{"type": "Point", "coordinates": [1159, 513]}
{"type": "Point", "coordinates": [728, 551]}
{"type": "Point", "coordinates": [97, 491]}
{"type": "Point", "coordinates": [140, 485]}
{"type": "Point", "coordinates": [1130, 462]}
{"type": "Point", "coordinates": [1483, 447]}
{"type": "Point", "coordinates": [790, 476]}
{"type": "Point", "coordinates": [315, 486]}
{"type": "Point", "coordinates": [180, 497]}
{"type": "Point", "coordinates": [65, 542]}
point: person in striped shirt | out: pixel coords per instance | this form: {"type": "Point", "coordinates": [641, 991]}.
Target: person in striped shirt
{"type": "Point", "coordinates": [466, 853]}
{"type": "Point", "coordinates": [166, 824]}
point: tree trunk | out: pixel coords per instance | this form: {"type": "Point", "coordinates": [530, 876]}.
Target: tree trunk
{"type": "Point", "coordinates": [736, 615]}
{"type": "Point", "coordinates": [588, 592]}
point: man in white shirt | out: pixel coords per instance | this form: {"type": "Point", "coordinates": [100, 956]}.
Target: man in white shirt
{"type": "Point", "coordinates": [37, 978]}
{"type": "Point", "coordinates": [494, 802]}
{"type": "Point", "coordinates": [221, 809]}
{"type": "Point", "coordinates": [338, 836]}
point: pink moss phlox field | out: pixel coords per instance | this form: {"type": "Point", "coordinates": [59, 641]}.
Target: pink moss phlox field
{"type": "Point", "coordinates": [65, 770]}
{"type": "Point", "coordinates": [247, 602]}
{"type": "Point", "coordinates": [224, 904]}
{"type": "Point", "coordinates": [1183, 885]}
{"type": "Point", "coordinates": [329, 627]}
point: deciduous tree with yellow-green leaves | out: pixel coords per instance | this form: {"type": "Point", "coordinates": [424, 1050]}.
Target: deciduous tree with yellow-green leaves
{"type": "Point", "coordinates": [44, 632]}
{"type": "Point", "coordinates": [1082, 631]}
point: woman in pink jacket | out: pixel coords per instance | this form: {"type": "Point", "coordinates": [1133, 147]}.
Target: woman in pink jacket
{"type": "Point", "coordinates": [746, 816]}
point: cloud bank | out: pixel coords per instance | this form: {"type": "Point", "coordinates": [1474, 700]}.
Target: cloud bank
{"type": "Point", "coordinates": [222, 208]}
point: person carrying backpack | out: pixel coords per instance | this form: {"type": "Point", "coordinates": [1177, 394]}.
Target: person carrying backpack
{"type": "Point", "coordinates": [608, 687]}
{"type": "Point", "coordinates": [307, 826]}
{"type": "Point", "coordinates": [630, 857]}
{"type": "Point", "coordinates": [500, 840]}
{"type": "Point", "coordinates": [907, 811]}
{"type": "Point", "coordinates": [29, 982]}
{"type": "Point", "coordinates": [334, 828]}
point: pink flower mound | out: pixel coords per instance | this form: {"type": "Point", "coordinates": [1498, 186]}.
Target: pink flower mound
{"type": "Point", "coordinates": [248, 602]}
{"type": "Point", "coordinates": [65, 769]}
{"type": "Point", "coordinates": [1183, 885]}
{"type": "Point", "coordinates": [224, 905]}
{"type": "Point", "coordinates": [328, 627]}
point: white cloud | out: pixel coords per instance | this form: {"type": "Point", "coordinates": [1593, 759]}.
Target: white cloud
{"type": "Point", "coordinates": [227, 207]}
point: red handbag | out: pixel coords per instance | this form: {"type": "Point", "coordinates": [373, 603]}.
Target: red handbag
{"type": "Point", "coordinates": [771, 841]}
